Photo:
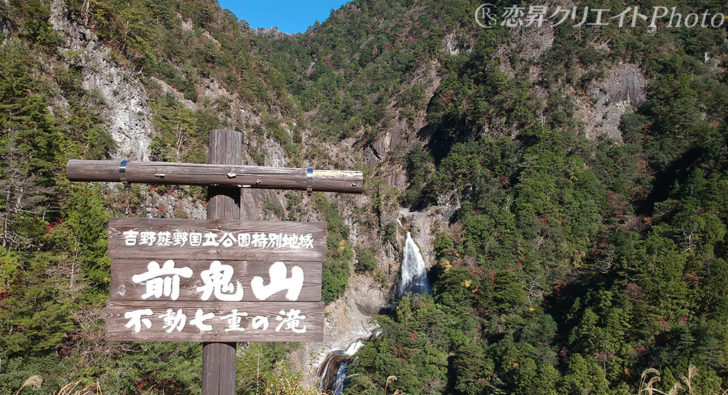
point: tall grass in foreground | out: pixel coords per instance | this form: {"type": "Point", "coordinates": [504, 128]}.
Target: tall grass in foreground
{"type": "Point", "coordinates": [652, 376]}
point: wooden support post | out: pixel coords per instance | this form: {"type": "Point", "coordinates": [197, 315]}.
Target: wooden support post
{"type": "Point", "coordinates": [225, 177]}
{"type": "Point", "coordinates": [218, 359]}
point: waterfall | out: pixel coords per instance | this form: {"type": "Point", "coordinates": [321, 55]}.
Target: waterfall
{"type": "Point", "coordinates": [338, 360]}
{"type": "Point", "coordinates": [338, 387]}
{"type": "Point", "coordinates": [334, 370]}
{"type": "Point", "coordinates": [353, 348]}
{"type": "Point", "coordinates": [414, 275]}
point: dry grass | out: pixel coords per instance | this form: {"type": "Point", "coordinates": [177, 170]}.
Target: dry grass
{"type": "Point", "coordinates": [36, 382]}
{"type": "Point", "coordinates": [291, 386]}
{"type": "Point", "coordinates": [32, 382]}
{"type": "Point", "coordinates": [651, 376]}
{"type": "Point", "coordinates": [69, 389]}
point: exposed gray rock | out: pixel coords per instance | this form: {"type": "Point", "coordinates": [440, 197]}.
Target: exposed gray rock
{"type": "Point", "coordinates": [371, 157]}
{"type": "Point", "coordinates": [187, 25]}
{"type": "Point", "coordinates": [212, 89]}
{"type": "Point", "coordinates": [622, 90]}
{"type": "Point", "coordinates": [271, 32]}
{"type": "Point", "coordinates": [210, 37]}
{"type": "Point", "coordinates": [453, 44]}
{"type": "Point", "coordinates": [535, 40]}
{"type": "Point", "coordinates": [170, 205]}
{"type": "Point", "coordinates": [709, 59]}
{"type": "Point", "coordinates": [426, 224]}
{"type": "Point", "coordinates": [399, 133]}
{"type": "Point", "coordinates": [528, 42]}
{"type": "Point", "coordinates": [127, 115]}
{"type": "Point", "coordinates": [345, 322]}
{"type": "Point", "coordinates": [178, 96]}
{"type": "Point", "coordinates": [274, 155]}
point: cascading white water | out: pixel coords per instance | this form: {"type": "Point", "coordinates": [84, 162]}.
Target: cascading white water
{"type": "Point", "coordinates": [338, 386]}
{"type": "Point", "coordinates": [413, 274]}
{"type": "Point", "coordinates": [413, 280]}
{"type": "Point", "coordinates": [342, 359]}
{"type": "Point", "coordinates": [353, 348]}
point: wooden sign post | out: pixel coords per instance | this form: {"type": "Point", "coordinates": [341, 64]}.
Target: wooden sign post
{"type": "Point", "coordinates": [163, 265]}
{"type": "Point", "coordinates": [221, 280]}
{"type": "Point", "coordinates": [218, 359]}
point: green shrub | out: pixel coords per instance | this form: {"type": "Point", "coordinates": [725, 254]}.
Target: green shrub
{"type": "Point", "coordinates": [365, 260]}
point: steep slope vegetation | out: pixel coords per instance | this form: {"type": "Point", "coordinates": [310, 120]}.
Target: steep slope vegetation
{"type": "Point", "coordinates": [567, 184]}
{"type": "Point", "coordinates": [588, 168]}
{"type": "Point", "coordinates": [118, 79]}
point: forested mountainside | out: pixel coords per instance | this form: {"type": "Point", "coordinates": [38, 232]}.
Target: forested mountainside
{"type": "Point", "coordinates": [567, 184]}
{"type": "Point", "coordinates": [589, 165]}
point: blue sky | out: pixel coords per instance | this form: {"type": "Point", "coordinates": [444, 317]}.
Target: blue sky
{"type": "Point", "coordinates": [288, 15]}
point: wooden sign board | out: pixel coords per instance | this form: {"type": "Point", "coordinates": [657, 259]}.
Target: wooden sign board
{"type": "Point", "coordinates": [215, 280]}
{"type": "Point", "coordinates": [216, 239]}
{"type": "Point", "coordinates": [215, 322]}
{"type": "Point", "coordinates": [131, 279]}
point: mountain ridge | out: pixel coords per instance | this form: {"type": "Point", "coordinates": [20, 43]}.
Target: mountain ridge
{"type": "Point", "coordinates": [566, 185]}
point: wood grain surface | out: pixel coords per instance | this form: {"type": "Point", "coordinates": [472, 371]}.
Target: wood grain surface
{"type": "Point", "coordinates": [124, 289]}
{"type": "Point", "coordinates": [277, 331]}
{"type": "Point", "coordinates": [218, 359]}
{"type": "Point", "coordinates": [232, 175]}
{"type": "Point", "coordinates": [118, 249]}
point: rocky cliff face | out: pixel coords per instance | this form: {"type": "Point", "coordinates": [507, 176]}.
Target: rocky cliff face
{"type": "Point", "coordinates": [621, 90]}
{"type": "Point", "coordinates": [129, 120]}
{"type": "Point", "coordinates": [127, 115]}
{"type": "Point", "coordinates": [459, 130]}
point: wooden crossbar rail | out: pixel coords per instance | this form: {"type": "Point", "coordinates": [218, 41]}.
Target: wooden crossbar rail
{"type": "Point", "coordinates": [214, 174]}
